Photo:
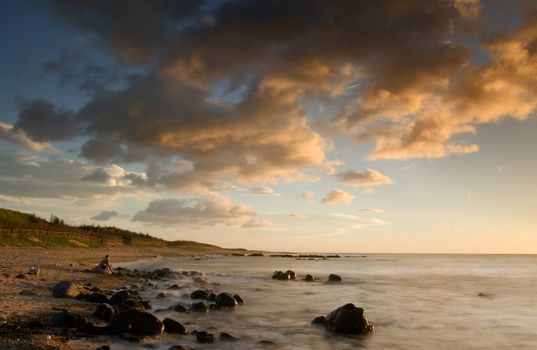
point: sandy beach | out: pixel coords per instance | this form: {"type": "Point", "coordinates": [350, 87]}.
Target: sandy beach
{"type": "Point", "coordinates": [25, 297]}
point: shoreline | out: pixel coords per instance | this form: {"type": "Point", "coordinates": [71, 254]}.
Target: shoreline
{"type": "Point", "coordinates": [25, 298]}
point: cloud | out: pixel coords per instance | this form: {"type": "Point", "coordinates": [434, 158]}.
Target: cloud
{"type": "Point", "coordinates": [114, 175]}
{"type": "Point", "coordinates": [206, 211]}
{"type": "Point", "coordinates": [367, 178]}
{"type": "Point", "coordinates": [355, 221]}
{"type": "Point", "coordinates": [263, 191]}
{"type": "Point", "coordinates": [337, 197]}
{"type": "Point", "coordinates": [19, 137]}
{"type": "Point", "coordinates": [255, 223]}
{"type": "Point", "coordinates": [372, 210]}
{"type": "Point", "coordinates": [308, 195]}
{"type": "Point", "coordinates": [241, 116]}
{"type": "Point", "coordinates": [105, 215]}
{"type": "Point", "coordinates": [295, 216]}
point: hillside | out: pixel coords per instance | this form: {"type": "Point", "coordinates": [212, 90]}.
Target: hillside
{"type": "Point", "coordinates": [25, 230]}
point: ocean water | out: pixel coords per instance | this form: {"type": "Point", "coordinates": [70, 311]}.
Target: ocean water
{"type": "Point", "coordinates": [414, 301]}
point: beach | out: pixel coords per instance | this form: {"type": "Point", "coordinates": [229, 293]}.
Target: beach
{"type": "Point", "coordinates": [413, 301]}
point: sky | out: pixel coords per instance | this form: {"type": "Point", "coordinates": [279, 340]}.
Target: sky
{"type": "Point", "coordinates": [311, 126]}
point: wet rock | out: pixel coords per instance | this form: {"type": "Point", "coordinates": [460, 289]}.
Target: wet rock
{"type": "Point", "coordinates": [105, 312]}
{"type": "Point", "coordinates": [348, 319]}
{"type": "Point", "coordinates": [211, 297]}
{"type": "Point", "coordinates": [103, 347]}
{"type": "Point", "coordinates": [225, 300]}
{"type": "Point", "coordinates": [67, 289]}
{"type": "Point", "coordinates": [138, 323]}
{"type": "Point", "coordinates": [147, 304]}
{"type": "Point", "coordinates": [276, 275]}
{"type": "Point", "coordinates": [319, 320]}
{"type": "Point", "coordinates": [172, 326]}
{"type": "Point", "coordinates": [309, 278]}
{"type": "Point", "coordinates": [179, 347]}
{"type": "Point", "coordinates": [334, 278]}
{"type": "Point", "coordinates": [90, 329]}
{"type": "Point", "coordinates": [21, 276]}
{"type": "Point", "coordinates": [204, 337]}
{"type": "Point", "coordinates": [98, 298]}
{"type": "Point", "coordinates": [200, 281]}
{"type": "Point", "coordinates": [160, 296]}
{"type": "Point", "coordinates": [199, 307]}
{"type": "Point", "coordinates": [133, 303]}
{"type": "Point", "coordinates": [179, 308]}
{"type": "Point", "coordinates": [291, 274]}
{"type": "Point", "coordinates": [266, 342]}
{"type": "Point", "coordinates": [227, 337]}
{"type": "Point", "coordinates": [119, 297]}
{"type": "Point", "coordinates": [199, 294]}
{"type": "Point", "coordinates": [35, 324]}
{"type": "Point", "coordinates": [67, 319]}
{"type": "Point", "coordinates": [238, 299]}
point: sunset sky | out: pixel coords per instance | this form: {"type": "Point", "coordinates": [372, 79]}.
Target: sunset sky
{"type": "Point", "coordinates": [320, 126]}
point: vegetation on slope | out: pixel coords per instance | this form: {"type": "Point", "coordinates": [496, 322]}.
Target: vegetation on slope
{"type": "Point", "coordinates": [24, 230]}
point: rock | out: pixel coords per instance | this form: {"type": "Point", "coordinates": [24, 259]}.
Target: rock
{"type": "Point", "coordinates": [90, 329]}
{"type": "Point", "coordinates": [238, 299]}
{"type": "Point", "coordinates": [103, 347]}
{"type": "Point", "coordinates": [334, 278]}
{"type": "Point", "coordinates": [105, 312]}
{"type": "Point", "coordinates": [348, 319]}
{"type": "Point", "coordinates": [35, 324]}
{"type": "Point", "coordinates": [276, 275]}
{"type": "Point", "coordinates": [174, 287]}
{"type": "Point", "coordinates": [147, 304]}
{"type": "Point", "coordinates": [21, 276]}
{"type": "Point", "coordinates": [179, 308]}
{"type": "Point", "coordinates": [98, 298]}
{"type": "Point", "coordinates": [199, 307]}
{"type": "Point", "coordinates": [204, 337]}
{"type": "Point", "coordinates": [199, 294]}
{"type": "Point", "coordinates": [99, 270]}
{"type": "Point", "coordinates": [172, 326]}
{"type": "Point", "coordinates": [291, 274]}
{"type": "Point", "coordinates": [138, 323]}
{"type": "Point", "coordinates": [227, 337]}
{"type": "Point", "coordinates": [27, 292]}
{"type": "Point", "coordinates": [133, 303]}
{"type": "Point", "coordinates": [225, 300]}
{"type": "Point", "coordinates": [67, 319]}
{"type": "Point", "coordinates": [309, 278]}
{"type": "Point", "coordinates": [200, 281]}
{"type": "Point", "coordinates": [211, 297]}
{"type": "Point", "coordinates": [33, 270]}
{"type": "Point", "coordinates": [160, 296]}
{"type": "Point", "coordinates": [319, 320]}
{"type": "Point", "coordinates": [66, 289]}
{"type": "Point", "coordinates": [119, 297]}
{"type": "Point", "coordinates": [179, 347]}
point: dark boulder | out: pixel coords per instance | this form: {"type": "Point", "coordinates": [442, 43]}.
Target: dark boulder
{"type": "Point", "coordinates": [204, 337]}
{"type": "Point", "coordinates": [291, 274]}
{"type": "Point", "coordinates": [97, 298]}
{"type": "Point", "coordinates": [238, 299]}
{"type": "Point", "coordinates": [225, 300]}
{"type": "Point", "coordinates": [211, 297]}
{"type": "Point", "coordinates": [319, 320]}
{"type": "Point", "coordinates": [348, 319]}
{"type": "Point", "coordinates": [90, 329]}
{"type": "Point", "coordinates": [199, 307]}
{"type": "Point", "coordinates": [179, 347]}
{"type": "Point", "coordinates": [179, 308]}
{"type": "Point", "coordinates": [334, 278]}
{"type": "Point", "coordinates": [172, 326]}
{"type": "Point", "coordinates": [199, 294]}
{"type": "Point", "coordinates": [227, 337]}
{"type": "Point", "coordinates": [137, 322]}
{"type": "Point", "coordinates": [119, 297]}
{"type": "Point", "coordinates": [67, 289]}
{"type": "Point", "coordinates": [67, 319]}
{"type": "Point", "coordinates": [309, 278]}
{"type": "Point", "coordinates": [105, 312]}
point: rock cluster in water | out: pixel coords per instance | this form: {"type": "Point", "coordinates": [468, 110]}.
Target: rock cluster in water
{"type": "Point", "coordinates": [291, 275]}
{"type": "Point", "coordinates": [347, 319]}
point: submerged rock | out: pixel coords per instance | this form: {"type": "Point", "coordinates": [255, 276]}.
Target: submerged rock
{"type": "Point", "coordinates": [204, 337]}
{"type": "Point", "coordinates": [238, 299]}
{"type": "Point", "coordinates": [347, 319]}
{"type": "Point", "coordinates": [225, 300]}
{"type": "Point", "coordinates": [199, 307]}
{"type": "Point", "coordinates": [138, 323]}
{"type": "Point", "coordinates": [227, 337]}
{"type": "Point", "coordinates": [309, 278]}
{"type": "Point", "coordinates": [334, 278]}
{"type": "Point", "coordinates": [172, 326]}
{"type": "Point", "coordinates": [105, 312]}
{"type": "Point", "coordinates": [284, 276]}
{"type": "Point", "coordinates": [199, 294]}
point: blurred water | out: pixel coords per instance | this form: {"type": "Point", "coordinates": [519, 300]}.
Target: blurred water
{"type": "Point", "coordinates": [415, 302]}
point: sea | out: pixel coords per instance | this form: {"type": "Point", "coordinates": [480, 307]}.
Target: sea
{"type": "Point", "coordinates": [415, 302]}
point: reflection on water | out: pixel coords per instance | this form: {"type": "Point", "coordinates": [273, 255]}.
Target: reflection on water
{"type": "Point", "coordinates": [415, 302]}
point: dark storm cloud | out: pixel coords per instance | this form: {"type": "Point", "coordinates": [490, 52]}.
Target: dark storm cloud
{"type": "Point", "coordinates": [105, 215]}
{"type": "Point", "coordinates": [396, 73]}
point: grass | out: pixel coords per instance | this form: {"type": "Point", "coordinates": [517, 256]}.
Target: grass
{"type": "Point", "coordinates": [44, 242]}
